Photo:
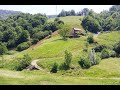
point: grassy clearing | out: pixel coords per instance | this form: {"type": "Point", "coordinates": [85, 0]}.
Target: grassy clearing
{"type": "Point", "coordinates": [71, 20]}
{"type": "Point", "coordinates": [109, 38]}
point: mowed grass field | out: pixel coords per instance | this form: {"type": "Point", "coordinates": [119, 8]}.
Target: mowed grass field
{"type": "Point", "coordinates": [52, 50]}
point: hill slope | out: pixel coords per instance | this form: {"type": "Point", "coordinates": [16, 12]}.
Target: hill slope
{"type": "Point", "coordinates": [52, 50]}
{"type": "Point", "coordinates": [73, 21]}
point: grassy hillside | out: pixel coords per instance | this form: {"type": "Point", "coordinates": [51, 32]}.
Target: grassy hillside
{"type": "Point", "coordinates": [100, 74]}
{"type": "Point", "coordinates": [109, 38]}
{"type": "Point", "coordinates": [73, 21]}
{"type": "Point", "coordinates": [52, 50]}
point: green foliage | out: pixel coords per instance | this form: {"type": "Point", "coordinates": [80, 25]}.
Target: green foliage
{"type": "Point", "coordinates": [113, 54]}
{"type": "Point", "coordinates": [89, 60]}
{"type": "Point", "coordinates": [105, 21]}
{"type": "Point", "coordinates": [63, 66]}
{"type": "Point", "coordinates": [54, 68]}
{"type": "Point", "coordinates": [117, 48]}
{"type": "Point", "coordinates": [99, 48]}
{"type": "Point", "coordinates": [23, 27]}
{"type": "Point", "coordinates": [98, 60]}
{"type": "Point", "coordinates": [23, 46]}
{"type": "Point", "coordinates": [68, 58]}
{"type": "Point", "coordinates": [92, 57]}
{"type": "Point", "coordinates": [72, 12]}
{"type": "Point", "coordinates": [105, 54]}
{"type": "Point", "coordinates": [84, 62]}
{"type": "Point", "coordinates": [66, 64]}
{"type": "Point", "coordinates": [34, 41]}
{"type": "Point", "coordinates": [1, 36]}
{"type": "Point", "coordinates": [24, 36]}
{"type": "Point", "coordinates": [64, 31]}
{"type": "Point", "coordinates": [91, 24]}
{"type": "Point", "coordinates": [90, 39]}
{"type": "Point", "coordinates": [23, 63]}
{"type": "Point", "coordinates": [3, 49]}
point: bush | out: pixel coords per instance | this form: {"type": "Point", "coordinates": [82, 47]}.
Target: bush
{"type": "Point", "coordinates": [23, 63]}
{"type": "Point", "coordinates": [90, 39]}
{"type": "Point", "coordinates": [3, 49]}
{"type": "Point", "coordinates": [92, 57]}
{"type": "Point", "coordinates": [23, 46]}
{"type": "Point", "coordinates": [68, 58]}
{"type": "Point", "coordinates": [105, 54]}
{"type": "Point", "coordinates": [84, 62]}
{"type": "Point", "coordinates": [34, 41]}
{"type": "Point", "coordinates": [99, 48]}
{"type": "Point", "coordinates": [98, 59]}
{"type": "Point", "coordinates": [66, 64]}
{"type": "Point", "coordinates": [113, 54]}
{"type": "Point", "coordinates": [117, 48]}
{"type": "Point", "coordinates": [63, 66]}
{"type": "Point", "coordinates": [54, 68]}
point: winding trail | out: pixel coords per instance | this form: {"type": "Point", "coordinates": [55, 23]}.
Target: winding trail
{"type": "Point", "coordinates": [34, 63]}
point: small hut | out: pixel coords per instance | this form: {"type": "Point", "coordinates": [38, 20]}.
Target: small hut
{"type": "Point", "coordinates": [75, 32]}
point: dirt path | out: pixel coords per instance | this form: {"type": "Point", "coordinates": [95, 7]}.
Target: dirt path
{"type": "Point", "coordinates": [33, 63]}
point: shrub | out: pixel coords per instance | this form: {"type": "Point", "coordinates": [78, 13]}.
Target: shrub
{"type": "Point", "coordinates": [92, 57]}
{"type": "Point", "coordinates": [63, 66]}
{"type": "Point", "coordinates": [105, 54]}
{"type": "Point", "coordinates": [113, 54]}
{"type": "Point", "coordinates": [99, 48]}
{"type": "Point", "coordinates": [23, 46]}
{"type": "Point", "coordinates": [84, 62]}
{"type": "Point", "coordinates": [66, 64]}
{"type": "Point", "coordinates": [34, 41]}
{"type": "Point", "coordinates": [54, 68]}
{"type": "Point", "coordinates": [23, 63]}
{"type": "Point", "coordinates": [3, 49]}
{"type": "Point", "coordinates": [90, 39]}
{"type": "Point", "coordinates": [98, 59]}
{"type": "Point", "coordinates": [68, 58]}
{"type": "Point", "coordinates": [117, 48]}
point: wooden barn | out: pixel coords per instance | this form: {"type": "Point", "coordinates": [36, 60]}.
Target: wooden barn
{"type": "Point", "coordinates": [75, 32]}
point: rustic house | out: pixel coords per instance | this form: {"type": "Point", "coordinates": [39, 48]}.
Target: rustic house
{"type": "Point", "coordinates": [75, 32]}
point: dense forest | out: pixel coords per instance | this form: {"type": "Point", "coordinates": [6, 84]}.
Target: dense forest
{"type": "Point", "coordinates": [25, 29]}
{"type": "Point", "coordinates": [105, 21]}
{"type": "Point", "coordinates": [6, 13]}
